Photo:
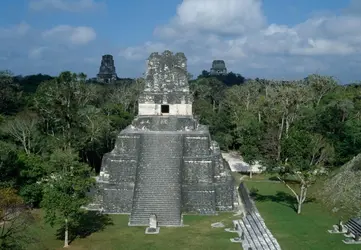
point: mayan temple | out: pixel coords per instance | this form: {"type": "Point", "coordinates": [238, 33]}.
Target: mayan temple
{"type": "Point", "coordinates": [218, 68]}
{"type": "Point", "coordinates": [165, 163]}
{"type": "Point", "coordinates": [107, 72]}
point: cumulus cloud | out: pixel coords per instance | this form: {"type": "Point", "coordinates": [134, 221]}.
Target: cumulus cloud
{"type": "Point", "coordinates": [140, 52]}
{"type": "Point", "coordinates": [220, 17]}
{"type": "Point", "coordinates": [14, 31]}
{"type": "Point", "coordinates": [37, 52]}
{"type": "Point", "coordinates": [27, 50]}
{"type": "Point", "coordinates": [64, 5]}
{"type": "Point", "coordinates": [353, 8]}
{"type": "Point", "coordinates": [237, 31]}
{"type": "Point", "coordinates": [71, 35]}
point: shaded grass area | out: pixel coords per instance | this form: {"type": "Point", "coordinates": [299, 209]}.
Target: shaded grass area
{"type": "Point", "coordinates": [112, 232]}
{"type": "Point", "coordinates": [307, 231]}
{"type": "Point", "coordinates": [280, 197]}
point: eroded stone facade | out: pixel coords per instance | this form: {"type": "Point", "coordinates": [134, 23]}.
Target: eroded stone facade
{"type": "Point", "coordinates": [218, 68]}
{"type": "Point", "coordinates": [164, 163]}
{"type": "Point", "coordinates": [166, 91]}
{"type": "Point", "coordinates": [107, 72]}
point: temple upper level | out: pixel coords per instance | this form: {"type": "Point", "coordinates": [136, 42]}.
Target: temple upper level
{"type": "Point", "coordinates": [218, 68]}
{"type": "Point", "coordinates": [166, 89]}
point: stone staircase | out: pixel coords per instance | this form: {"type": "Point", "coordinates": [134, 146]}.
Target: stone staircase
{"type": "Point", "coordinates": [158, 180]}
{"type": "Point", "coordinates": [354, 225]}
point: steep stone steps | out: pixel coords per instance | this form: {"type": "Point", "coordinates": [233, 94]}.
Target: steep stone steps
{"type": "Point", "coordinates": [158, 180]}
{"type": "Point", "coordinates": [354, 225]}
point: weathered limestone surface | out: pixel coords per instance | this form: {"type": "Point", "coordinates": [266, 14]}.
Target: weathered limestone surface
{"type": "Point", "coordinates": [218, 68]}
{"type": "Point", "coordinates": [252, 231]}
{"type": "Point", "coordinates": [107, 72]}
{"type": "Point", "coordinates": [166, 83]}
{"type": "Point", "coordinates": [164, 163]}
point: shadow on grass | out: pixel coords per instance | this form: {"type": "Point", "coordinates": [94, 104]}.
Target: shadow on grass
{"type": "Point", "coordinates": [280, 197]}
{"type": "Point", "coordinates": [288, 180]}
{"type": "Point", "coordinates": [88, 223]}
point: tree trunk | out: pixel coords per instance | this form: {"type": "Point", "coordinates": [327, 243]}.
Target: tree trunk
{"type": "Point", "coordinates": [301, 197]}
{"type": "Point", "coordinates": [299, 206]}
{"type": "Point", "coordinates": [343, 117]}
{"type": "Point", "coordinates": [248, 101]}
{"type": "Point", "coordinates": [280, 137]}
{"type": "Point", "coordinates": [219, 107]}
{"type": "Point", "coordinates": [319, 100]}
{"type": "Point", "coordinates": [23, 140]}
{"type": "Point", "coordinates": [66, 236]}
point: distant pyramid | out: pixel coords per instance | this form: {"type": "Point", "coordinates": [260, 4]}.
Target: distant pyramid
{"type": "Point", "coordinates": [107, 72]}
{"type": "Point", "coordinates": [218, 68]}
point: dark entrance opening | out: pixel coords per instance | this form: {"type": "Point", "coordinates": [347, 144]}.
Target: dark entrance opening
{"type": "Point", "coordinates": [164, 109]}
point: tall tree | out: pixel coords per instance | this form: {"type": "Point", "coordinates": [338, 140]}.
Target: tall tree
{"type": "Point", "coordinates": [10, 94]}
{"type": "Point", "coordinates": [14, 220]}
{"type": "Point", "coordinates": [58, 103]}
{"type": "Point", "coordinates": [305, 154]}
{"type": "Point", "coordinates": [66, 190]}
{"type": "Point", "coordinates": [23, 129]}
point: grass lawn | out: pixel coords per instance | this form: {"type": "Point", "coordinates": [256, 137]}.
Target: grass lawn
{"type": "Point", "coordinates": [198, 235]}
{"type": "Point", "coordinates": [296, 232]}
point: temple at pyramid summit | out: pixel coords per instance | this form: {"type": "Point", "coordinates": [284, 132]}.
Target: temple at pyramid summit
{"type": "Point", "coordinates": [218, 68]}
{"type": "Point", "coordinates": [107, 72]}
{"type": "Point", "coordinates": [164, 164]}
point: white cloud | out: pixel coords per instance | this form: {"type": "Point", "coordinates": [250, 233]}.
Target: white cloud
{"type": "Point", "coordinates": [237, 31]}
{"type": "Point", "coordinates": [324, 47]}
{"type": "Point", "coordinates": [64, 5]}
{"type": "Point", "coordinates": [142, 52]}
{"type": "Point", "coordinates": [28, 50]}
{"type": "Point", "coordinates": [14, 31]}
{"type": "Point", "coordinates": [72, 35]}
{"type": "Point", "coordinates": [219, 17]}
{"type": "Point", "coordinates": [37, 52]}
{"type": "Point", "coordinates": [353, 8]}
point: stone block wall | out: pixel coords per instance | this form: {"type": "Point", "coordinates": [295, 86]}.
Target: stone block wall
{"type": "Point", "coordinates": [166, 72]}
{"type": "Point", "coordinates": [197, 171]}
{"type": "Point", "coordinates": [166, 84]}
{"type": "Point", "coordinates": [199, 198]}
{"type": "Point", "coordinates": [117, 198]}
{"type": "Point", "coordinates": [157, 169]}
{"type": "Point", "coordinates": [115, 184]}
{"type": "Point", "coordinates": [164, 123]}
{"type": "Point", "coordinates": [197, 145]}
{"type": "Point", "coordinates": [156, 109]}
{"type": "Point", "coordinates": [224, 195]}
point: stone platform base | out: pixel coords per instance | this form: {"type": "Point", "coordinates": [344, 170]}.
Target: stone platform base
{"type": "Point", "coordinates": [231, 230]}
{"type": "Point", "coordinates": [336, 231]}
{"type": "Point", "coordinates": [236, 240]}
{"type": "Point", "coordinates": [150, 230]}
{"type": "Point", "coordinates": [350, 241]}
{"type": "Point", "coordinates": [217, 224]}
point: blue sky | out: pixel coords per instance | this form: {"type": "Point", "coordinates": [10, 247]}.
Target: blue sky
{"type": "Point", "coordinates": [279, 39]}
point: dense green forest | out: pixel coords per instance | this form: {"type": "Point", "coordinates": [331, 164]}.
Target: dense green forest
{"type": "Point", "coordinates": [54, 130]}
